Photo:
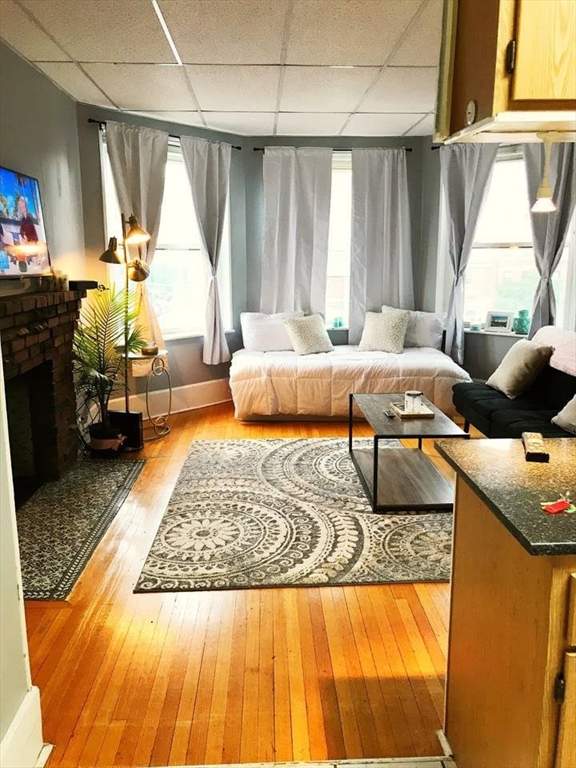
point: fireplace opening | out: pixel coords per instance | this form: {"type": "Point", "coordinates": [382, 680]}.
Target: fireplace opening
{"type": "Point", "coordinates": [32, 430]}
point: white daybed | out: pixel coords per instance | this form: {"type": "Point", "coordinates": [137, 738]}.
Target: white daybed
{"type": "Point", "coordinates": [284, 384]}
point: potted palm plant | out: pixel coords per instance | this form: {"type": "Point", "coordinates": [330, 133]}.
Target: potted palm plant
{"type": "Point", "coordinates": [98, 362]}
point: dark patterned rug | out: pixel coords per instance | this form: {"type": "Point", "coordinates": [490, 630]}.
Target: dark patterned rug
{"type": "Point", "coordinates": [262, 513]}
{"type": "Point", "coordinates": [60, 526]}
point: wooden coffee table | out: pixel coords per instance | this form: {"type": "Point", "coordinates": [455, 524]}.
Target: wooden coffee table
{"type": "Point", "coordinates": [397, 479]}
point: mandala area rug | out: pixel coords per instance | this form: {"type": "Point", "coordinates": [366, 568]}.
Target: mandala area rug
{"type": "Point", "coordinates": [263, 513]}
{"type": "Point", "coordinates": [60, 526]}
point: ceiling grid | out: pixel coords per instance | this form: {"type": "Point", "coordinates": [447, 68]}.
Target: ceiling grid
{"type": "Point", "coordinates": [250, 67]}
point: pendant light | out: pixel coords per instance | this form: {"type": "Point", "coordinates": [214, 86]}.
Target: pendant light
{"type": "Point", "coordinates": [544, 202]}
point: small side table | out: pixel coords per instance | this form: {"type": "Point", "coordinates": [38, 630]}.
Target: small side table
{"type": "Point", "coordinates": [157, 367]}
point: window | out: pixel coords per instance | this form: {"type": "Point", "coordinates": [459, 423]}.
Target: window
{"type": "Point", "coordinates": [338, 270]}
{"type": "Point", "coordinates": [501, 273]}
{"type": "Point", "coordinates": [178, 282]}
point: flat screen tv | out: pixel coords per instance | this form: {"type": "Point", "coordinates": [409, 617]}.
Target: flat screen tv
{"type": "Point", "coordinates": [23, 246]}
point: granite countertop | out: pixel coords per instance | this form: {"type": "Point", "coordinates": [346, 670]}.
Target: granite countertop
{"type": "Point", "coordinates": [513, 488]}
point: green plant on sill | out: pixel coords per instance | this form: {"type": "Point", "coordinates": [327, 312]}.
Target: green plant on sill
{"type": "Point", "coordinates": [98, 350]}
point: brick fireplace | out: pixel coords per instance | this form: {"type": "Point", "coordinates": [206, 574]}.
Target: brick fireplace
{"type": "Point", "coordinates": [37, 332]}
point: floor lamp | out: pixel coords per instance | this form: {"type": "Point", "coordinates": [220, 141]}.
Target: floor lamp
{"type": "Point", "coordinates": [137, 271]}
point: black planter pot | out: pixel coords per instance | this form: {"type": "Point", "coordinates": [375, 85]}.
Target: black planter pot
{"type": "Point", "coordinates": [105, 441]}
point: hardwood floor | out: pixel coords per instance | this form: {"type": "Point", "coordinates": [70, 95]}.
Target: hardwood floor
{"type": "Point", "coordinates": [240, 676]}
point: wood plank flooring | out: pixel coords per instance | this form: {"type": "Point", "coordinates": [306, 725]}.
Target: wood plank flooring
{"type": "Point", "coordinates": [240, 676]}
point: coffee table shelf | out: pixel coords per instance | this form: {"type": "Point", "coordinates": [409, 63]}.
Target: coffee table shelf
{"type": "Point", "coordinates": [396, 479]}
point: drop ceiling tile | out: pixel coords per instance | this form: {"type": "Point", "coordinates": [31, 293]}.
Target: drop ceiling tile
{"type": "Point", "coordinates": [423, 128]}
{"type": "Point", "coordinates": [106, 30]}
{"type": "Point", "coordinates": [184, 118]}
{"type": "Point", "coordinates": [235, 89]}
{"type": "Point", "coordinates": [347, 31]}
{"type": "Point", "coordinates": [421, 46]}
{"type": "Point", "coordinates": [403, 89]}
{"type": "Point", "coordinates": [71, 79]}
{"type": "Point", "coordinates": [327, 89]}
{"type": "Point", "coordinates": [242, 123]}
{"type": "Point", "coordinates": [310, 123]}
{"type": "Point", "coordinates": [25, 36]}
{"type": "Point", "coordinates": [226, 31]}
{"type": "Point", "coordinates": [143, 86]}
{"type": "Point", "coordinates": [379, 124]}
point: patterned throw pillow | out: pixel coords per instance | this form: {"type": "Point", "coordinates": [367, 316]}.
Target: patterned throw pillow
{"type": "Point", "coordinates": [308, 334]}
{"type": "Point", "coordinates": [384, 331]}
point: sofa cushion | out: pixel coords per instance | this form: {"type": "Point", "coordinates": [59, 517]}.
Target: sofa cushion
{"type": "Point", "coordinates": [520, 367]}
{"type": "Point", "coordinates": [511, 423]}
{"type": "Point", "coordinates": [552, 389]}
{"type": "Point", "coordinates": [567, 417]}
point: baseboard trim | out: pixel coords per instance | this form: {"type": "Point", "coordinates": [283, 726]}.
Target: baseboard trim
{"type": "Point", "coordinates": [186, 398]}
{"type": "Point", "coordinates": [22, 745]}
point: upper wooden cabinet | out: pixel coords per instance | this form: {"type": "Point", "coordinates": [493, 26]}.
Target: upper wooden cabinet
{"type": "Point", "coordinates": [506, 67]}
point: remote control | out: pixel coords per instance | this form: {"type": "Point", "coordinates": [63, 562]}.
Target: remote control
{"type": "Point", "coordinates": [534, 448]}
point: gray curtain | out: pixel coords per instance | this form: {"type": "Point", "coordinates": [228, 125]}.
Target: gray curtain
{"type": "Point", "coordinates": [208, 168]}
{"type": "Point", "coordinates": [138, 161]}
{"type": "Point", "coordinates": [297, 187]}
{"type": "Point", "coordinates": [465, 172]}
{"type": "Point", "coordinates": [381, 252]}
{"type": "Point", "coordinates": [549, 230]}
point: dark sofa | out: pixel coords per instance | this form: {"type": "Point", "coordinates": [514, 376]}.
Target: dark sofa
{"type": "Point", "coordinates": [495, 415]}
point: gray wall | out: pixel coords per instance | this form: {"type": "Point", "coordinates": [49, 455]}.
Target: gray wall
{"type": "Point", "coordinates": [39, 138]}
{"type": "Point", "coordinates": [483, 352]}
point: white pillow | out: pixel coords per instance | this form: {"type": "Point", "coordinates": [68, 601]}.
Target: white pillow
{"type": "Point", "coordinates": [266, 333]}
{"type": "Point", "coordinates": [308, 334]}
{"type": "Point", "coordinates": [567, 416]}
{"type": "Point", "coordinates": [384, 331]}
{"type": "Point", "coordinates": [425, 329]}
{"type": "Point", "coordinates": [519, 367]}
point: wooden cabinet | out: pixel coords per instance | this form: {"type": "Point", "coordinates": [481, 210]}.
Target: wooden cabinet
{"type": "Point", "coordinates": [507, 67]}
{"type": "Point", "coordinates": [512, 629]}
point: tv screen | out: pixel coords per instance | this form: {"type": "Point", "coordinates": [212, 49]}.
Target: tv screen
{"type": "Point", "coordinates": [23, 247]}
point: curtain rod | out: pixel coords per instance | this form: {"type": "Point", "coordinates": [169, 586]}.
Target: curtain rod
{"type": "Point", "coordinates": [101, 124]}
{"type": "Point", "coordinates": [338, 149]}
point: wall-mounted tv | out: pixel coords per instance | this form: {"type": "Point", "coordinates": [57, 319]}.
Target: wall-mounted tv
{"type": "Point", "coordinates": [23, 246]}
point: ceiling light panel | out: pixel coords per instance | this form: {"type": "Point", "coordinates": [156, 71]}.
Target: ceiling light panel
{"type": "Point", "coordinates": [106, 30]}
{"type": "Point", "coordinates": [310, 124]}
{"type": "Point", "coordinates": [324, 89]}
{"type": "Point", "coordinates": [379, 124]}
{"type": "Point", "coordinates": [141, 87]}
{"type": "Point", "coordinates": [72, 80]}
{"type": "Point", "coordinates": [25, 36]}
{"type": "Point", "coordinates": [421, 46]}
{"type": "Point", "coordinates": [235, 89]}
{"type": "Point", "coordinates": [403, 89]}
{"type": "Point", "coordinates": [347, 31]}
{"type": "Point", "coordinates": [242, 123]}
{"type": "Point", "coordinates": [184, 118]}
{"type": "Point", "coordinates": [424, 128]}
{"type": "Point", "coordinates": [226, 31]}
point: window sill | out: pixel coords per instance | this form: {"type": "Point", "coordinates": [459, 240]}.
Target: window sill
{"type": "Point", "coordinates": [497, 333]}
{"type": "Point", "coordinates": [189, 335]}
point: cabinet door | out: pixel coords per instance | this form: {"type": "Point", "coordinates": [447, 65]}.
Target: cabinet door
{"type": "Point", "coordinates": [545, 52]}
{"type": "Point", "coordinates": [566, 749]}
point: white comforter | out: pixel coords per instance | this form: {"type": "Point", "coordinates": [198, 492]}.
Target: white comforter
{"type": "Point", "coordinates": [284, 383]}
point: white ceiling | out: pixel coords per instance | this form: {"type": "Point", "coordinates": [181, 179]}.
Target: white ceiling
{"type": "Point", "coordinates": [252, 67]}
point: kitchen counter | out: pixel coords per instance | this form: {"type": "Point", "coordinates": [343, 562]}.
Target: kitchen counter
{"type": "Point", "coordinates": [511, 668]}
{"type": "Point", "coordinates": [512, 488]}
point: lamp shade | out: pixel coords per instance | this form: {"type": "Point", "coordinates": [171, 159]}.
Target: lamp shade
{"type": "Point", "coordinates": [111, 255]}
{"type": "Point", "coordinates": [544, 202]}
{"type": "Point", "coordinates": [138, 270]}
{"type": "Point", "coordinates": [136, 235]}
